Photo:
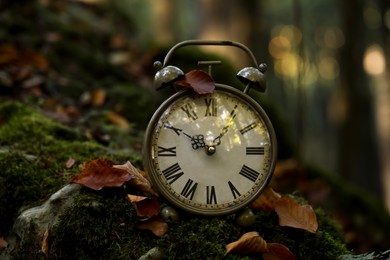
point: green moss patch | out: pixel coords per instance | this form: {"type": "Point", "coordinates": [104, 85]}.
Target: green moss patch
{"type": "Point", "coordinates": [33, 155]}
{"type": "Point", "coordinates": [102, 224]}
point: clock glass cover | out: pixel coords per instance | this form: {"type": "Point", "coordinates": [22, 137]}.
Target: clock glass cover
{"type": "Point", "coordinates": [210, 154]}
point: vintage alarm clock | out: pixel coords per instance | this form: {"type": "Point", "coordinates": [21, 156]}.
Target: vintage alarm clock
{"type": "Point", "coordinates": [210, 154]}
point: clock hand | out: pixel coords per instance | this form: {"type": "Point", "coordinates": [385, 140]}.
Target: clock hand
{"type": "Point", "coordinates": [197, 141]}
{"type": "Point", "coordinates": [217, 140]}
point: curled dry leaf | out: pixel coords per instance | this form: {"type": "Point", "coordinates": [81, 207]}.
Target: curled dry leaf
{"type": "Point", "coordinates": [45, 243]}
{"type": "Point", "coordinates": [98, 97]}
{"type": "Point", "coordinates": [139, 180]}
{"type": "Point", "coordinates": [249, 243]}
{"type": "Point", "coordinates": [199, 81]}
{"type": "Point", "coordinates": [266, 201]}
{"type": "Point", "coordinates": [157, 225]}
{"type": "Point", "coordinates": [118, 120]}
{"type": "Point", "coordinates": [99, 173]}
{"type": "Point", "coordinates": [3, 243]}
{"type": "Point", "coordinates": [278, 252]}
{"type": "Point", "coordinates": [144, 206]}
{"type": "Point", "coordinates": [291, 214]}
{"type": "Point", "coordinates": [70, 162]}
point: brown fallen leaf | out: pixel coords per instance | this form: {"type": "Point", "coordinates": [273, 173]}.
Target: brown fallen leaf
{"type": "Point", "coordinates": [278, 252]}
{"type": "Point", "coordinates": [144, 206]}
{"type": "Point", "coordinates": [266, 201]}
{"type": "Point", "coordinates": [156, 224]}
{"type": "Point", "coordinates": [45, 243]}
{"type": "Point", "coordinates": [3, 243]}
{"type": "Point", "coordinates": [199, 81]}
{"type": "Point", "coordinates": [139, 181]}
{"type": "Point", "coordinates": [249, 243]}
{"type": "Point", "coordinates": [12, 56]}
{"type": "Point", "coordinates": [99, 173]}
{"type": "Point", "coordinates": [292, 214]}
{"type": "Point", "coordinates": [98, 97]}
{"type": "Point", "coordinates": [118, 120]}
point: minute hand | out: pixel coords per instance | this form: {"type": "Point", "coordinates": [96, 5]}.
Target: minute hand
{"type": "Point", "coordinates": [217, 140]}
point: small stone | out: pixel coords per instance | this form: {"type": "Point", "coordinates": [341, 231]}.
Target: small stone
{"type": "Point", "coordinates": [246, 218]}
{"type": "Point", "coordinates": [169, 214]}
{"type": "Point", "coordinates": [153, 254]}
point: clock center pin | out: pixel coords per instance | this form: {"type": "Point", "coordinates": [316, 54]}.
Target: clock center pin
{"type": "Point", "coordinates": [210, 150]}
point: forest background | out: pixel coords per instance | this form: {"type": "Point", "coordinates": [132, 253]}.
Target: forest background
{"type": "Point", "coordinates": [328, 71]}
{"type": "Point", "coordinates": [328, 68]}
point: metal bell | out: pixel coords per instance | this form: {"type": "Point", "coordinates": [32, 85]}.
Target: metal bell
{"type": "Point", "coordinates": [253, 78]}
{"type": "Point", "coordinates": [166, 76]}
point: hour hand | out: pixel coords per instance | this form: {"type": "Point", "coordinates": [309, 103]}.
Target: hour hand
{"type": "Point", "coordinates": [217, 140]}
{"type": "Point", "coordinates": [197, 141]}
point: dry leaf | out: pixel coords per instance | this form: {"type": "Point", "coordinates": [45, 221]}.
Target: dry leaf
{"type": "Point", "coordinates": [118, 120]}
{"type": "Point", "coordinates": [199, 81]}
{"type": "Point", "coordinates": [45, 243]}
{"type": "Point", "coordinates": [249, 243]}
{"type": "Point", "coordinates": [278, 252]}
{"type": "Point", "coordinates": [266, 201]}
{"type": "Point", "coordinates": [138, 181]}
{"type": "Point", "coordinates": [3, 243]}
{"type": "Point", "coordinates": [12, 56]}
{"type": "Point", "coordinates": [99, 173]}
{"type": "Point", "coordinates": [145, 206]}
{"type": "Point", "coordinates": [157, 225]}
{"type": "Point", "coordinates": [98, 97]}
{"type": "Point", "coordinates": [70, 162]}
{"type": "Point", "coordinates": [291, 214]}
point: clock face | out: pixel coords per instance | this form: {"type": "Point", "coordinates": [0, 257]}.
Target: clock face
{"type": "Point", "coordinates": [210, 154]}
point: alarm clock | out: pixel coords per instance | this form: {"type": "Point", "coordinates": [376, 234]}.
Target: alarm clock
{"type": "Point", "coordinates": [210, 154]}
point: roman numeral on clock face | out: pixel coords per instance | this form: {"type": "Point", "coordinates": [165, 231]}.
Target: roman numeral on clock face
{"type": "Point", "coordinates": [249, 173]}
{"type": "Point", "coordinates": [170, 151]}
{"type": "Point", "coordinates": [234, 190]}
{"type": "Point", "coordinates": [188, 109]}
{"type": "Point", "coordinates": [211, 195]}
{"type": "Point", "coordinates": [172, 173]}
{"type": "Point", "coordinates": [189, 189]}
{"type": "Point", "coordinates": [255, 150]}
{"type": "Point", "coordinates": [211, 107]}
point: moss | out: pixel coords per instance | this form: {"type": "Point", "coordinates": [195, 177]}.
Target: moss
{"type": "Point", "coordinates": [100, 225]}
{"type": "Point", "coordinates": [326, 242]}
{"type": "Point", "coordinates": [202, 238]}
{"type": "Point", "coordinates": [33, 154]}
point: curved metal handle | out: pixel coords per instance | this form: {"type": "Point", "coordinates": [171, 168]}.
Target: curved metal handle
{"type": "Point", "coordinates": [209, 42]}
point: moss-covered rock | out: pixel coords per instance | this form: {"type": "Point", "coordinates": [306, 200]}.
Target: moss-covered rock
{"type": "Point", "coordinates": [103, 225]}
{"type": "Point", "coordinates": [33, 155]}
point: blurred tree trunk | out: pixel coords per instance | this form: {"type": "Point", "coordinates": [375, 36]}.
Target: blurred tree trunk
{"type": "Point", "coordinates": [384, 102]}
{"type": "Point", "coordinates": [358, 152]}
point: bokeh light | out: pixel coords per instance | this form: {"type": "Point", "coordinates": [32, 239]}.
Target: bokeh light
{"type": "Point", "coordinates": [279, 47]}
{"type": "Point", "coordinates": [328, 68]}
{"type": "Point", "coordinates": [329, 37]}
{"type": "Point", "coordinates": [386, 19]}
{"type": "Point", "coordinates": [374, 60]}
{"type": "Point", "coordinates": [372, 17]}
